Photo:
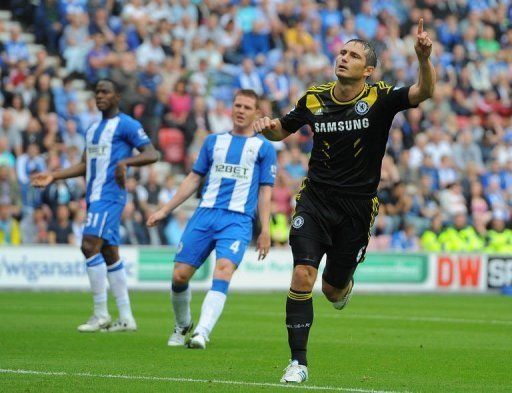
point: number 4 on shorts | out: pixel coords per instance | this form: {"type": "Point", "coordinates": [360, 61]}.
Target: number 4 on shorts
{"type": "Point", "coordinates": [235, 246]}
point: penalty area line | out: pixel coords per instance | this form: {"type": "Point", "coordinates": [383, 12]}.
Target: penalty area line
{"type": "Point", "coordinates": [189, 380]}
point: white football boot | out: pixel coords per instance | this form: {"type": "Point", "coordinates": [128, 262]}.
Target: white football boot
{"type": "Point", "coordinates": [179, 336]}
{"type": "Point", "coordinates": [95, 323]}
{"type": "Point", "coordinates": [197, 341]}
{"type": "Point", "coordinates": [295, 373]}
{"type": "Point", "coordinates": [122, 325]}
{"type": "Point", "coordinates": [342, 303]}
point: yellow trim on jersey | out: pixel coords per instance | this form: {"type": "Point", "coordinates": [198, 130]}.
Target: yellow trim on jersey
{"type": "Point", "coordinates": [375, 211]}
{"type": "Point", "coordinates": [384, 86]}
{"type": "Point", "coordinates": [302, 186]}
{"type": "Point", "coordinates": [352, 101]}
{"type": "Point", "coordinates": [358, 152]}
{"type": "Point", "coordinates": [321, 88]}
{"type": "Point", "coordinates": [372, 96]}
{"type": "Point", "coordinates": [313, 104]}
{"type": "Point", "coordinates": [357, 142]}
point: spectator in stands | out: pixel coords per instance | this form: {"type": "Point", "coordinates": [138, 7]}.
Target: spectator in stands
{"type": "Point", "coordinates": [430, 238]}
{"type": "Point", "coordinates": [71, 136]}
{"type": "Point", "coordinates": [10, 233]}
{"type": "Point", "coordinates": [60, 230]}
{"type": "Point", "coordinates": [21, 115]}
{"type": "Point", "coordinates": [98, 60]}
{"type": "Point", "coordinates": [406, 239]}
{"type": "Point", "coordinates": [279, 226]}
{"type": "Point", "coordinates": [34, 227]}
{"type": "Point", "coordinates": [7, 159]}
{"type": "Point", "coordinates": [150, 51]}
{"type": "Point", "coordinates": [27, 164]}
{"type": "Point", "coordinates": [90, 114]}
{"type": "Point", "coordinates": [9, 190]}
{"type": "Point", "coordinates": [461, 237]}
{"type": "Point", "coordinates": [132, 229]}
{"type": "Point", "coordinates": [126, 77]}
{"type": "Point", "coordinates": [15, 48]}
{"type": "Point", "coordinates": [180, 104]}
{"type": "Point", "coordinates": [64, 94]}
{"type": "Point", "coordinates": [168, 191]}
{"type": "Point", "coordinates": [11, 133]}
{"type": "Point", "coordinates": [249, 78]}
{"type": "Point", "coordinates": [175, 227]}
{"type": "Point", "coordinates": [219, 118]}
{"type": "Point", "coordinates": [499, 237]}
{"type": "Point", "coordinates": [77, 226]}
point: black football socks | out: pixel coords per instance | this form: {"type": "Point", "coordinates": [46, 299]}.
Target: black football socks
{"type": "Point", "coordinates": [299, 318]}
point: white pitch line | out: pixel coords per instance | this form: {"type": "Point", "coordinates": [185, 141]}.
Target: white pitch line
{"type": "Point", "coordinates": [191, 380]}
{"type": "Point", "coordinates": [396, 318]}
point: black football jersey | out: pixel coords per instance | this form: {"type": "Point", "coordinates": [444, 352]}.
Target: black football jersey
{"type": "Point", "coordinates": [350, 137]}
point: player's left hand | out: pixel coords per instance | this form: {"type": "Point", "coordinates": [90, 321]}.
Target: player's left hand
{"type": "Point", "coordinates": [423, 45]}
{"type": "Point", "coordinates": [263, 245]}
{"type": "Point", "coordinates": [120, 174]}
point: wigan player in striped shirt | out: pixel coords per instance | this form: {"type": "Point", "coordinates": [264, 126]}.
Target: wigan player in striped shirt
{"type": "Point", "coordinates": [109, 145]}
{"type": "Point", "coordinates": [239, 167]}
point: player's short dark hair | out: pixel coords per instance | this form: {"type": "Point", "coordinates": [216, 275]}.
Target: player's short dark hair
{"type": "Point", "coordinates": [248, 93]}
{"type": "Point", "coordinates": [116, 87]}
{"type": "Point", "coordinates": [369, 51]}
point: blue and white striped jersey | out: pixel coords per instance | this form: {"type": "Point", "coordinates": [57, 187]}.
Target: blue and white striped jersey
{"type": "Point", "coordinates": [108, 142]}
{"type": "Point", "coordinates": [235, 167]}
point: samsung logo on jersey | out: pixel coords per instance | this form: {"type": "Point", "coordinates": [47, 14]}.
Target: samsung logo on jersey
{"type": "Point", "coordinates": [339, 126]}
{"type": "Point", "coordinates": [232, 171]}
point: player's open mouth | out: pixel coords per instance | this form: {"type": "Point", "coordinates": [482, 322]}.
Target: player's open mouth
{"type": "Point", "coordinates": [341, 67]}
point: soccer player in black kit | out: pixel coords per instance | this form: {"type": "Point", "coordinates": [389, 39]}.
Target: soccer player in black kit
{"type": "Point", "coordinates": [337, 203]}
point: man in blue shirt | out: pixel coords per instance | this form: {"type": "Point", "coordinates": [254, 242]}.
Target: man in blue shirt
{"type": "Point", "coordinates": [239, 167]}
{"type": "Point", "coordinates": [109, 145]}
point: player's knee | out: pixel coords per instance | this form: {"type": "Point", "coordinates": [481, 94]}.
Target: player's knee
{"type": "Point", "coordinates": [331, 294]}
{"type": "Point", "coordinates": [89, 248]}
{"type": "Point", "coordinates": [110, 255]}
{"type": "Point", "coordinates": [224, 270]}
{"type": "Point", "coordinates": [180, 277]}
{"type": "Point", "coordinates": [304, 275]}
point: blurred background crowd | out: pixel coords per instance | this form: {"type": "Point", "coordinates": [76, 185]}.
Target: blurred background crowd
{"type": "Point", "coordinates": [447, 174]}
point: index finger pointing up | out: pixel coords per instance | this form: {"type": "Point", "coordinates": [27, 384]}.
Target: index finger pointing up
{"type": "Point", "coordinates": [420, 26]}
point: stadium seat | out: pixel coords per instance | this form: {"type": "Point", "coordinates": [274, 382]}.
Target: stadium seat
{"type": "Point", "coordinates": [172, 145]}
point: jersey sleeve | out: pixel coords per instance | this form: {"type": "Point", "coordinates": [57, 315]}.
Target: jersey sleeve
{"type": "Point", "coordinates": [135, 135]}
{"type": "Point", "coordinates": [204, 159]}
{"type": "Point", "coordinates": [297, 117]}
{"type": "Point", "coordinates": [268, 166]}
{"type": "Point", "coordinates": [396, 98]}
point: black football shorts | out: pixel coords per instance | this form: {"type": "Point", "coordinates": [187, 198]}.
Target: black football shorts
{"type": "Point", "coordinates": [326, 222]}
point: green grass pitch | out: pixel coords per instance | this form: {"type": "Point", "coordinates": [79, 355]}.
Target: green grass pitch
{"type": "Point", "coordinates": [389, 343]}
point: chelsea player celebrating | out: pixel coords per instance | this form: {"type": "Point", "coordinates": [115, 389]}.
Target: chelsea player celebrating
{"type": "Point", "coordinates": [109, 145]}
{"type": "Point", "coordinates": [240, 169]}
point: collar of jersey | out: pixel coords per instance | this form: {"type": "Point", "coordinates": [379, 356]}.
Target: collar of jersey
{"type": "Point", "coordinates": [353, 100]}
{"type": "Point", "coordinates": [242, 136]}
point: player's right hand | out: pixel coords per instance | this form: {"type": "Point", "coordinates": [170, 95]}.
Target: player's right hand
{"type": "Point", "coordinates": [264, 124]}
{"type": "Point", "coordinates": [41, 179]}
{"type": "Point", "coordinates": [155, 218]}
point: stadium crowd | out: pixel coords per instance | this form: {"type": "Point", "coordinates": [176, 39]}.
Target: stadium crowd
{"type": "Point", "coordinates": [447, 174]}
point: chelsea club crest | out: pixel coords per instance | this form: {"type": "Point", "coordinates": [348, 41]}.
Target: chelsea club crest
{"type": "Point", "coordinates": [362, 107]}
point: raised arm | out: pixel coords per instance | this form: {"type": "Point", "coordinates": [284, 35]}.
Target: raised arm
{"type": "Point", "coordinates": [185, 190]}
{"type": "Point", "coordinates": [46, 178]}
{"type": "Point", "coordinates": [270, 128]}
{"type": "Point", "coordinates": [264, 201]}
{"type": "Point", "coordinates": [424, 88]}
